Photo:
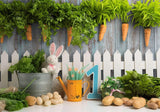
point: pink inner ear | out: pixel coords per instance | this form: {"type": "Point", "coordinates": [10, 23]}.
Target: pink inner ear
{"type": "Point", "coordinates": [59, 51]}
{"type": "Point", "coordinates": [52, 48]}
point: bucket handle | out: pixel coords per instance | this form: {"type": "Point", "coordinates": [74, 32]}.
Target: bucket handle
{"type": "Point", "coordinates": [87, 86]}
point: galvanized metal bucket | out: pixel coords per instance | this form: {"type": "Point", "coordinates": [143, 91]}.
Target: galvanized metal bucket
{"type": "Point", "coordinates": [42, 85]}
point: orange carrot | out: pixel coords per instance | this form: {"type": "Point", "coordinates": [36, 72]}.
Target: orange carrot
{"type": "Point", "coordinates": [102, 31]}
{"type": "Point", "coordinates": [69, 35]}
{"type": "Point", "coordinates": [147, 33]}
{"type": "Point", "coordinates": [29, 33]}
{"type": "Point", "coordinates": [124, 30]}
{"type": "Point", "coordinates": [2, 39]}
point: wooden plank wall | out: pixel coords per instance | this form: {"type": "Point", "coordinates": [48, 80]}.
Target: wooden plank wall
{"type": "Point", "coordinates": [112, 39]}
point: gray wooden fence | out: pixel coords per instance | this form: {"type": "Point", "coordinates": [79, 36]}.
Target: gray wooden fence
{"type": "Point", "coordinates": [112, 39]}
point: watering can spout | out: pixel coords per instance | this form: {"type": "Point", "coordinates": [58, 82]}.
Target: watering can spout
{"type": "Point", "coordinates": [62, 84]}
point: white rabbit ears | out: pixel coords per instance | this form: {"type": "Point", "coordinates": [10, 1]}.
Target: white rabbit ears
{"type": "Point", "coordinates": [52, 50]}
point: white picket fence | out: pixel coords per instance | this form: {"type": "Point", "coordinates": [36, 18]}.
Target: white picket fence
{"type": "Point", "coordinates": [106, 65]}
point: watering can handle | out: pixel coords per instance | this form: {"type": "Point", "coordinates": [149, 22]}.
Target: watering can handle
{"type": "Point", "coordinates": [87, 87]}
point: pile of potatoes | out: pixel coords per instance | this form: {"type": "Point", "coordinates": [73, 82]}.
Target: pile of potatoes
{"type": "Point", "coordinates": [45, 100]}
{"type": "Point", "coordinates": [136, 102]}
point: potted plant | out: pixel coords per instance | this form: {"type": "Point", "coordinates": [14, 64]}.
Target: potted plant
{"type": "Point", "coordinates": [146, 14]}
{"type": "Point", "coordinates": [6, 24]}
{"type": "Point", "coordinates": [103, 10]}
{"type": "Point", "coordinates": [44, 11]}
{"type": "Point", "coordinates": [122, 11]}
{"type": "Point", "coordinates": [29, 68]}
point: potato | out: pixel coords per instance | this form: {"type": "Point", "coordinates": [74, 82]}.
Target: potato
{"type": "Point", "coordinates": [57, 96]}
{"type": "Point", "coordinates": [39, 101]}
{"type": "Point", "coordinates": [107, 100]}
{"type": "Point", "coordinates": [2, 105]}
{"type": "Point", "coordinates": [134, 98]}
{"type": "Point", "coordinates": [31, 100]}
{"type": "Point", "coordinates": [129, 102]}
{"type": "Point", "coordinates": [118, 101]}
{"type": "Point", "coordinates": [158, 103]}
{"type": "Point", "coordinates": [55, 101]}
{"type": "Point", "coordinates": [45, 98]}
{"type": "Point", "coordinates": [155, 100]}
{"type": "Point", "coordinates": [125, 99]}
{"type": "Point", "coordinates": [50, 95]}
{"type": "Point", "coordinates": [47, 103]}
{"type": "Point", "coordinates": [139, 103]}
{"type": "Point", "coordinates": [55, 93]}
{"type": "Point", "coordinates": [152, 105]}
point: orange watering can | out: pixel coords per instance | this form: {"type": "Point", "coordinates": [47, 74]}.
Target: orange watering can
{"type": "Point", "coordinates": [74, 89]}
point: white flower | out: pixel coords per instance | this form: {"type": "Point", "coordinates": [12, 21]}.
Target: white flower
{"type": "Point", "coordinates": [108, 86]}
{"type": "Point", "coordinates": [106, 79]}
{"type": "Point", "coordinates": [101, 86]}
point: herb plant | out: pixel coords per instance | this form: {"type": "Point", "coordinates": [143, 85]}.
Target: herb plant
{"type": "Point", "coordinates": [142, 85]}
{"type": "Point", "coordinates": [31, 64]}
{"type": "Point", "coordinates": [146, 14]}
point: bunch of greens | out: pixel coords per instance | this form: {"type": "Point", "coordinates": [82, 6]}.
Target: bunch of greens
{"type": "Point", "coordinates": [13, 105]}
{"type": "Point", "coordinates": [47, 16]}
{"type": "Point", "coordinates": [147, 13]}
{"type": "Point", "coordinates": [122, 9]}
{"type": "Point", "coordinates": [30, 17]}
{"type": "Point", "coordinates": [6, 24]}
{"type": "Point", "coordinates": [109, 85]}
{"type": "Point", "coordinates": [18, 15]}
{"type": "Point", "coordinates": [82, 28]}
{"type": "Point", "coordinates": [31, 64]}
{"type": "Point", "coordinates": [102, 10]}
{"type": "Point", "coordinates": [136, 84]}
{"type": "Point", "coordinates": [82, 24]}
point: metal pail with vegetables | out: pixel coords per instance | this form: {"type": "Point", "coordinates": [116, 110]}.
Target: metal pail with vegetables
{"type": "Point", "coordinates": [41, 85]}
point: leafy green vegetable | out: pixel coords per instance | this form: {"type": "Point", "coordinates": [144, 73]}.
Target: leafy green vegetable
{"type": "Point", "coordinates": [47, 16]}
{"type": "Point", "coordinates": [147, 13]}
{"type": "Point", "coordinates": [136, 84]}
{"type": "Point", "coordinates": [15, 96]}
{"type": "Point", "coordinates": [122, 9]}
{"type": "Point", "coordinates": [108, 85]}
{"type": "Point", "coordinates": [103, 10]}
{"type": "Point", "coordinates": [6, 24]}
{"type": "Point", "coordinates": [13, 105]}
{"type": "Point", "coordinates": [31, 64]}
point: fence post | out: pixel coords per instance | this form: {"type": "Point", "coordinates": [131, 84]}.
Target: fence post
{"type": "Point", "coordinates": [4, 70]}
{"type": "Point", "coordinates": [128, 61]}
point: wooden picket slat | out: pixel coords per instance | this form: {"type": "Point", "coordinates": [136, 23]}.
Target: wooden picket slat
{"type": "Point", "coordinates": [128, 61]}
{"type": "Point", "coordinates": [158, 63]}
{"type": "Point", "coordinates": [65, 63]}
{"type": "Point", "coordinates": [139, 64]}
{"type": "Point", "coordinates": [76, 60]}
{"type": "Point", "coordinates": [4, 70]}
{"type": "Point", "coordinates": [97, 61]}
{"type": "Point", "coordinates": [14, 80]}
{"type": "Point", "coordinates": [150, 64]}
{"type": "Point", "coordinates": [118, 64]}
{"type": "Point", "coordinates": [107, 64]}
{"type": "Point", "coordinates": [87, 60]}
{"type": "Point", "coordinates": [26, 53]}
